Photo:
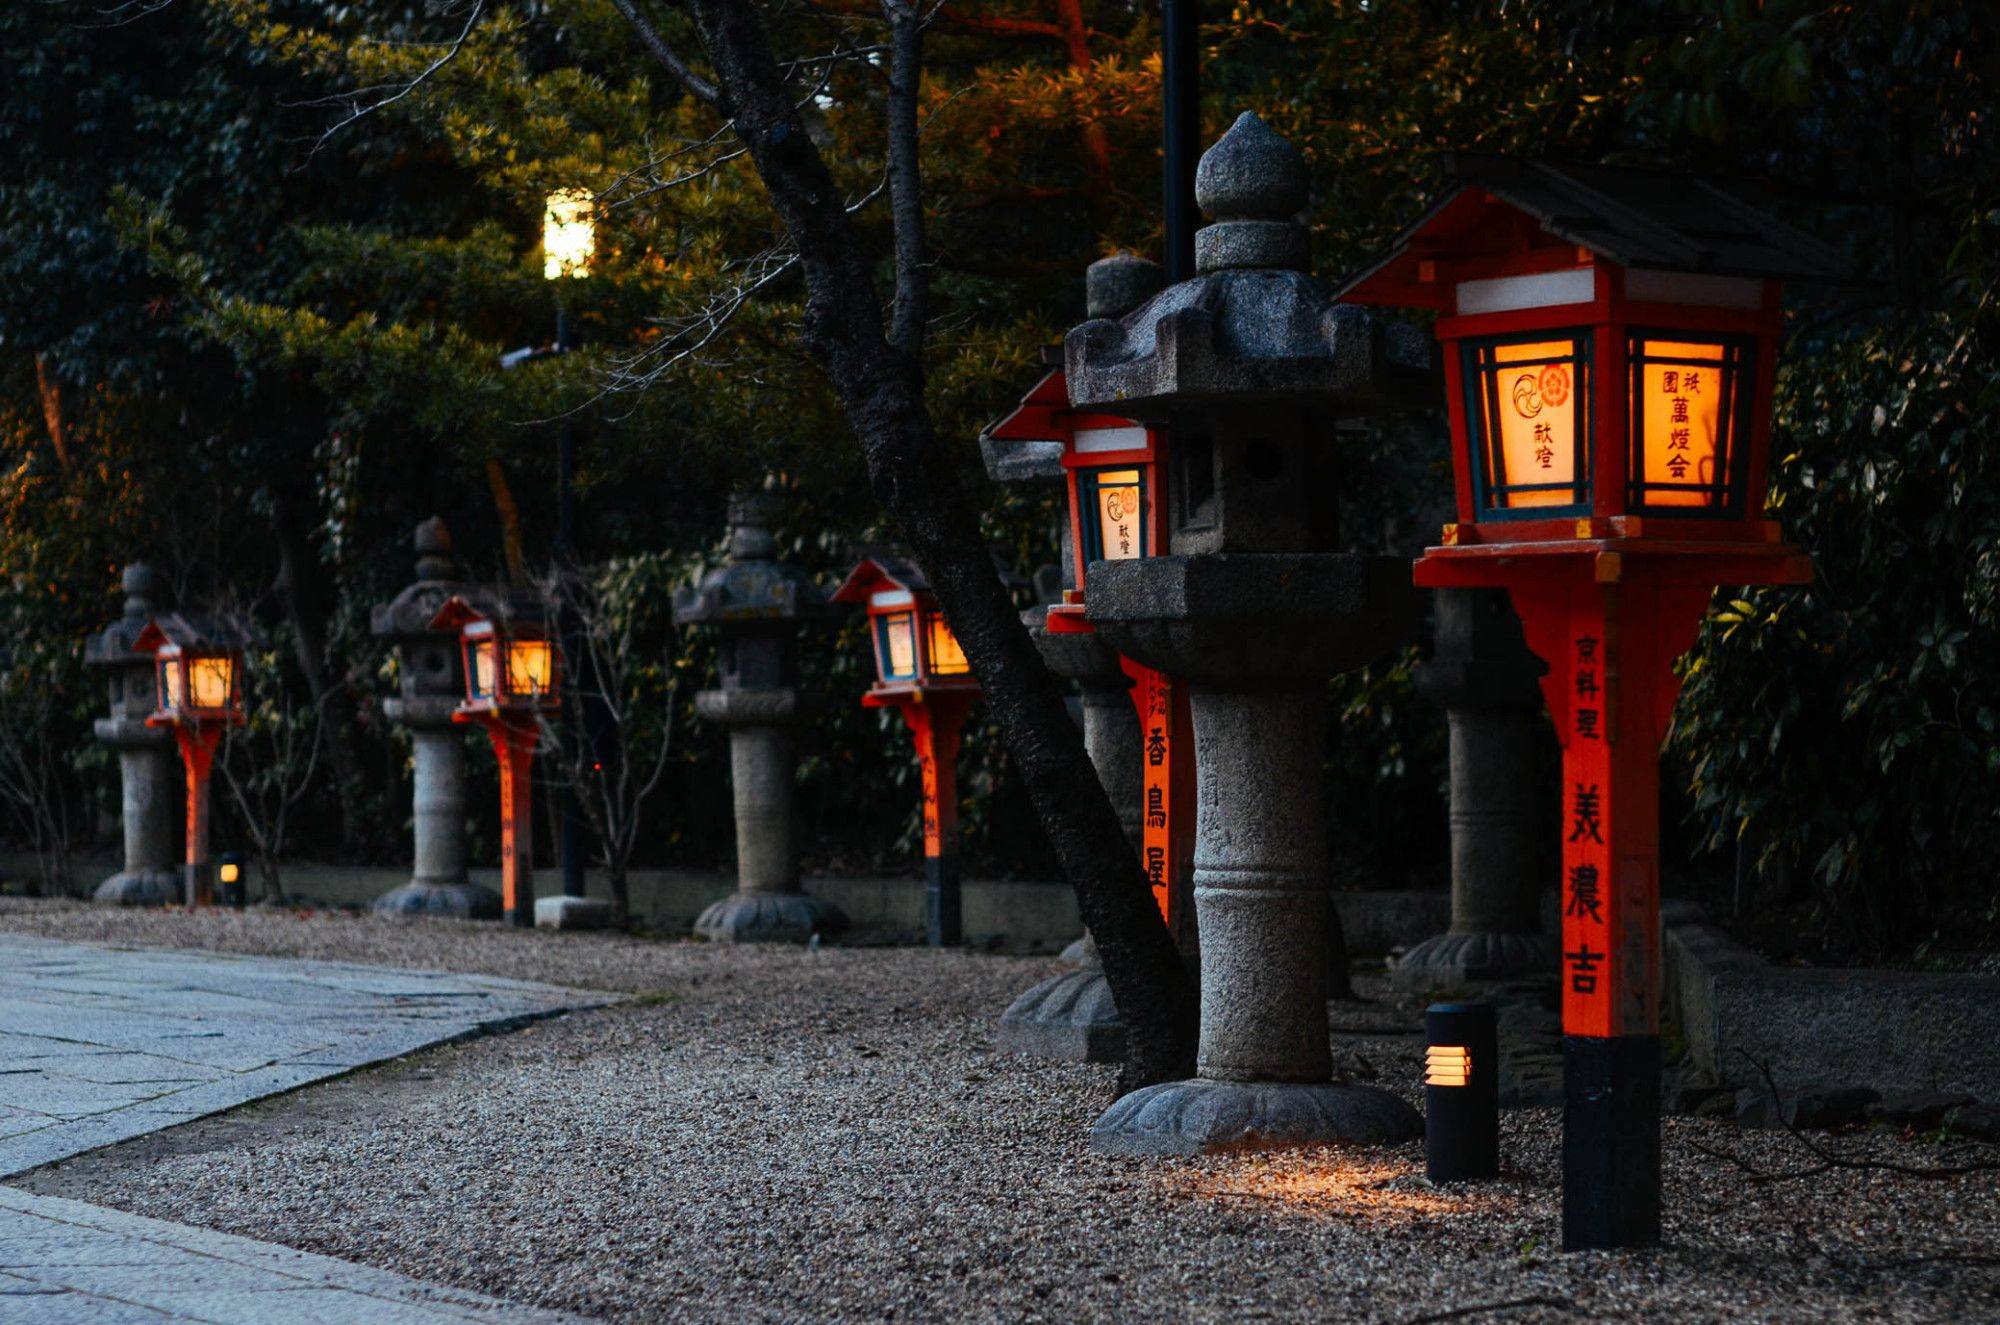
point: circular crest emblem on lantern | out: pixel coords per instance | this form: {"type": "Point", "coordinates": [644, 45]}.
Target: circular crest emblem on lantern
{"type": "Point", "coordinates": [1555, 385]}
{"type": "Point", "coordinates": [1527, 396]}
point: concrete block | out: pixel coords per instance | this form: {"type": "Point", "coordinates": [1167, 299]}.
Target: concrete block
{"type": "Point", "coordinates": [572, 913]}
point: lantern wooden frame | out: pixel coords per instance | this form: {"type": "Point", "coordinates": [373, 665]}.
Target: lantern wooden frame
{"type": "Point", "coordinates": [178, 693]}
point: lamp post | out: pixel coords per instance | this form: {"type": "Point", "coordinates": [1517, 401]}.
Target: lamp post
{"type": "Point", "coordinates": [200, 688]}
{"type": "Point", "coordinates": [1113, 472]}
{"type": "Point", "coordinates": [569, 247]}
{"type": "Point", "coordinates": [145, 753]}
{"type": "Point", "coordinates": [513, 683]}
{"type": "Point", "coordinates": [1610, 338]}
{"type": "Point", "coordinates": [921, 672]}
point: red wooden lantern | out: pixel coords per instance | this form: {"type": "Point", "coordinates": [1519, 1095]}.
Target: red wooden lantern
{"type": "Point", "coordinates": [200, 688]}
{"type": "Point", "coordinates": [921, 672]}
{"type": "Point", "coordinates": [1115, 480]}
{"type": "Point", "coordinates": [512, 681]}
{"type": "Point", "coordinates": [1610, 339]}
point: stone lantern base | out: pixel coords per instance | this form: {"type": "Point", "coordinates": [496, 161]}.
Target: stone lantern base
{"type": "Point", "coordinates": [1070, 1016]}
{"type": "Point", "coordinates": [141, 888]}
{"type": "Point", "coordinates": [1446, 961]}
{"type": "Point", "coordinates": [769, 918]}
{"type": "Point", "coordinates": [1203, 1117]}
{"type": "Point", "coordinates": [457, 901]}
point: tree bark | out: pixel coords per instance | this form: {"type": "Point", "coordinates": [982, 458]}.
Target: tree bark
{"type": "Point", "coordinates": [298, 585]}
{"type": "Point", "coordinates": [881, 390]}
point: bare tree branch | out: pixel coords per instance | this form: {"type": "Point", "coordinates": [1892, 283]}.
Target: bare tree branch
{"type": "Point", "coordinates": [649, 36]}
{"type": "Point", "coordinates": [388, 94]}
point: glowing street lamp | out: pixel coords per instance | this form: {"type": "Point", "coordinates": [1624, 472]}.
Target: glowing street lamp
{"type": "Point", "coordinates": [922, 673]}
{"type": "Point", "coordinates": [1461, 1092]}
{"type": "Point", "coordinates": [569, 234]}
{"type": "Point", "coordinates": [1611, 338]}
{"type": "Point", "coordinates": [199, 670]}
{"type": "Point", "coordinates": [512, 684]}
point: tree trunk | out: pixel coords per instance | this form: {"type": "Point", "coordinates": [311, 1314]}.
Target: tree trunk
{"type": "Point", "coordinates": [881, 391]}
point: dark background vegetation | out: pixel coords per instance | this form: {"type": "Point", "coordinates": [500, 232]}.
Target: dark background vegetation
{"type": "Point", "coordinates": [256, 355]}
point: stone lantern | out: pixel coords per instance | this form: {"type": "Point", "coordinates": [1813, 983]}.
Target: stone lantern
{"type": "Point", "coordinates": [1489, 685]}
{"type": "Point", "coordinates": [1249, 366]}
{"type": "Point", "coordinates": [1071, 1015]}
{"type": "Point", "coordinates": [757, 604]}
{"type": "Point", "coordinates": [431, 687]}
{"type": "Point", "coordinates": [146, 762]}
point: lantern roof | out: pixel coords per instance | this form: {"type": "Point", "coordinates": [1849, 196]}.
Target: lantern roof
{"type": "Point", "coordinates": [409, 614]}
{"type": "Point", "coordinates": [752, 585]}
{"type": "Point", "coordinates": [889, 567]}
{"type": "Point", "coordinates": [514, 611]}
{"type": "Point", "coordinates": [1661, 220]}
{"type": "Point", "coordinates": [1025, 445]}
{"type": "Point", "coordinates": [117, 643]}
{"type": "Point", "coordinates": [193, 632]}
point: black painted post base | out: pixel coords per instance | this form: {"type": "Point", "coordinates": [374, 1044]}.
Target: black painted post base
{"type": "Point", "coordinates": [521, 916]}
{"type": "Point", "coordinates": [199, 876]}
{"type": "Point", "coordinates": [944, 907]}
{"type": "Point", "coordinates": [1611, 1142]}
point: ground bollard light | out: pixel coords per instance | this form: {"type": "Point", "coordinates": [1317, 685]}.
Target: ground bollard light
{"type": "Point", "coordinates": [1610, 340]}
{"type": "Point", "coordinates": [512, 683]}
{"type": "Point", "coordinates": [229, 881]}
{"type": "Point", "coordinates": [1461, 1092]}
{"type": "Point", "coordinates": [200, 693]}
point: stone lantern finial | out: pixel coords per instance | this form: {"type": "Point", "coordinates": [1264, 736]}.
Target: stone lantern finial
{"type": "Point", "coordinates": [140, 584]}
{"type": "Point", "coordinates": [434, 559]}
{"type": "Point", "coordinates": [751, 515]}
{"type": "Point", "coordinates": [1251, 183]}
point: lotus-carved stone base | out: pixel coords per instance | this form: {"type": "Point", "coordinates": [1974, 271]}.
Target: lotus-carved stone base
{"type": "Point", "coordinates": [1202, 1117]}
{"type": "Point", "coordinates": [457, 901]}
{"type": "Point", "coordinates": [769, 918]}
{"type": "Point", "coordinates": [1069, 1017]}
{"type": "Point", "coordinates": [1080, 952]}
{"type": "Point", "coordinates": [1446, 961]}
{"type": "Point", "coordinates": [141, 888]}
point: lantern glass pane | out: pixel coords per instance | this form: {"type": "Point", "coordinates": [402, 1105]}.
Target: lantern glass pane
{"type": "Point", "coordinates": [173, 683]}
{"type": "Point", "coordinates": [1687, 404]}
{"type": "Point", "coordinates": [1113, 517]}
{"type": "Point", "coordinates": [569, 233]}
{"type": "Point", "coordinates": [1528, 410]}
{"type": "Point", "coordinates": [209, 682]}
{"type": "Point", "coordinates": [483, 673]}
{"type": "Point", "coordinates": [531, 668]}
{"type": "Point", "coordinates": [896, 646]}
{"type": "Point", "coordinates": [947, 659]}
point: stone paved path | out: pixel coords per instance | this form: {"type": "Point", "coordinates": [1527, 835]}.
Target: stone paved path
{"type": "Point", "coordinates": [67, 1263]}
{"type": "Point", "coordinates": [101, 1044]}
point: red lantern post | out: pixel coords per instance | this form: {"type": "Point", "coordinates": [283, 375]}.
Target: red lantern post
{"type": "Point", "coordinates": [200, 685]}
{"type": "Point", "coordinates": [923, 674]}
{"type": "Point", "coordinates": [1115, 476]}
{"type": "Point", "coordinates": [512, 682]}
{"type": "Point", "coordinates": [1610, 338]}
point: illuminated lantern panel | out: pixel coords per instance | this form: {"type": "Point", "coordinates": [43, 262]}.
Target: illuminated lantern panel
{"type": "Point", "coordinates": [1689, 411]}
{"type": "Point", "coordinates": [193, 683]}
{"type": "Point", "coordinates": [211, 681]}
{"type": "Point", "coordinates": [568, 233]}
{"type": "Point", "coordinates": [173, 682]}
{"type": "Point", "coordinates": [531, 668]}
{"type": "Point", "coordinates": [1112, 505]}
{"type": "Point", "coordinates": [481, 679]}
{"type": "Point", "coordinates": [896, 646]}
{"type": "Point", "coordinates": [1528, 400]}
{"type": "Point", "coordinates": [946, 658]}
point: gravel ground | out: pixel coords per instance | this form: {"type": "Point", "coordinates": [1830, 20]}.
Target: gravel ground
{"type": "Point", "coordinates": [776, 1134]}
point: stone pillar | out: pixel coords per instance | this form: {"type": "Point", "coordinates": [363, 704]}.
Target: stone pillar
{"type": "Point", "coordinates": [1484, 677]}
{"type": "Point", "coordinates": [432, 685]}
{"type": "Point", "coordinates": [1248, 366]}
{"type": "Point", "coordinates": [757, 604]}
{"type": "Point", "coordinates": [148, 769]}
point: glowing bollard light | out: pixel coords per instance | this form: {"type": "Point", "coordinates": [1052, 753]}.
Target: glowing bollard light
{"type": "Point", "coordinates": [1461, 1092]}
{"type": "Point", "coordinates": [229, 881]}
